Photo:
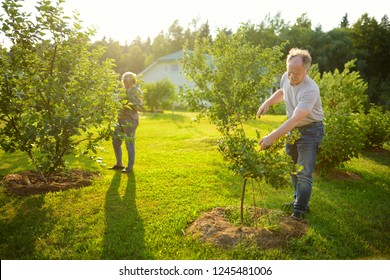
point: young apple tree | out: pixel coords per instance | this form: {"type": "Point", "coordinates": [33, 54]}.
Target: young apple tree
{"type": "Point", "coordinates": [56, 93]}
{"type": "Point", "coordinates": [232, 76]}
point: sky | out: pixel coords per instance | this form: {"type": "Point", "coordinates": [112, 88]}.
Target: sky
{"type": "Point", "coordinates": [124, 20]}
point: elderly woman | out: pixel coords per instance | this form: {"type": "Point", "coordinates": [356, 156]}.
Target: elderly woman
{"type": "Point", "coordinates": [128, 120]}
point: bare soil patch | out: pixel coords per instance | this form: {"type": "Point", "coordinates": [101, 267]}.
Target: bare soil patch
{"type": "Point", "coordinates": [212, 227]}
{"type": "Point", "coordinates": [379, 151]}
{"type": "Point", "coordinates": [343, 175]}
{"type": "Point", "coordinates": [30, 182]}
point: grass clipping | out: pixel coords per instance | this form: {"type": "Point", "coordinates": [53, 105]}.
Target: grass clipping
{"type": "Point", "coordinates": [272, 229]}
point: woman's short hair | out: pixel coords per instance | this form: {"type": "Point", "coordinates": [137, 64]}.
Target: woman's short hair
{"type": "Point", "coordinates": [129, 76]}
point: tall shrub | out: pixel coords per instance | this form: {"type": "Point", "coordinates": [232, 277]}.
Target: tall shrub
{"type": "Point", "coordinates": [343, 98]}
{"type": "Point", "coordinates": [377, 124]}
{"type": "Point", "coordinates": [55, 92]}
{"type": "Point", "coordinates": [159, 95]}
{"type": "Point", "coordinates": [342, 92]}
{"type": "Point", "coordinates": [343, 140]}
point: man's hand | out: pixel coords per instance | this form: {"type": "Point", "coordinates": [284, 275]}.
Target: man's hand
{"type": "Point", "coordinates": [262, 110]}
{"type": "Point", "coordinates": [265, 142]}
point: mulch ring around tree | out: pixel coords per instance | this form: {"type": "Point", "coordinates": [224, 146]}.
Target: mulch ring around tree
{"type": "Point", "coordinates": [214, 228]}
{"type": "Point", "coordinates": [31, 182]}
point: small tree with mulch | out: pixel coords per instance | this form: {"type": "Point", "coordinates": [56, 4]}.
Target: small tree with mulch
{"type": "Point", "coordinates": [232, 76]}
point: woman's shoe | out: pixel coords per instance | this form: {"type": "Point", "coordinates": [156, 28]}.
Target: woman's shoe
{"type": "Point", "coordinates": [116, 167]}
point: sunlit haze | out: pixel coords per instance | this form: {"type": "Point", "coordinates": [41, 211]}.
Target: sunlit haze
{"type": "Point", "coordinates": [124, 20]}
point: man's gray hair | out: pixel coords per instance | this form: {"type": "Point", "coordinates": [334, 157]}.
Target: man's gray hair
{"type": "Point", "coordinates": [306, 57]}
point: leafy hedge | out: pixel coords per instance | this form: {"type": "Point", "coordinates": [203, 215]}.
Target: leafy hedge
{"type": "Point", "coordinates": [343, 140]}
{"type": "Point", "coordinates": [348, 129]}
{"type": "Point", "coordinates": [377, 125]}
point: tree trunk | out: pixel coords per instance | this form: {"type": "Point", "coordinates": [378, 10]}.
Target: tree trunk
{"type": "Point", "coordinates": [242, 201]}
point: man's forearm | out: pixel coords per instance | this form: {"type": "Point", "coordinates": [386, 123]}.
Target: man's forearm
{"type": "Point", "coordinates": [282, 130]}
{"type": "Point", "coordinates": [275, 98]}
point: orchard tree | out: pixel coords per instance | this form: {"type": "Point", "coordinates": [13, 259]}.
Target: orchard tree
{"type": "Point", "coordinates": [56, 94]}
{"type": "Point", "coordinates": [232, 76]}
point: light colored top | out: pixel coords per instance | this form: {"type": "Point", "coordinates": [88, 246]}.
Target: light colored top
{"type": "Point", "coordinates": [305, 96]}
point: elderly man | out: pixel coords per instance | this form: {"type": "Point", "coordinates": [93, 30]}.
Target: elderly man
{"type": "Point", "coordinates": [304, 111]}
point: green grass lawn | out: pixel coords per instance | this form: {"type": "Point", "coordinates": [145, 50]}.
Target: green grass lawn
{"type": "Point", "coordinates": [178, 175]}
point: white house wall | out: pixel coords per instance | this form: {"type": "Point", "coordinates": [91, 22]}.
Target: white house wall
{"type": "Point", "coordinates": [161, 70]}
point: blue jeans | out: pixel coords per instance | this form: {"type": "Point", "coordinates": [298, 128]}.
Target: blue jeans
{"type": "Point", "coordinates": [125, 130]}
{"type": "Point", "coordinates": [304, 152]}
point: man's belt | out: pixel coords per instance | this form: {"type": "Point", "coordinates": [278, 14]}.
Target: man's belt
{"type": "Point", "coordinates": [310, 125]}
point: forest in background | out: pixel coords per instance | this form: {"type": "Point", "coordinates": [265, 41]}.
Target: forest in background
{"type": "Point", "coordinates": [367, 40]}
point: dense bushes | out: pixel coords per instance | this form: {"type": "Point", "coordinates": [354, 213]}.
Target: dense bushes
{"type": "Point", "coordinates": [159, 95]}
{"type": "Point", "coordinates": [377, 127]}
{"type": "Point", "coordinates": [343, 141]}
{"type": "Point", "coordinates": [348, 129]}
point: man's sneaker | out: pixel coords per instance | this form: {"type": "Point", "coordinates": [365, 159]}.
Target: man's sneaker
{"type": "Point", "coordinates": [298, 216]}
{"type": "Point", "coordinates": [116, 167]}
{"type": "Point", "coordinates": [290, 206]}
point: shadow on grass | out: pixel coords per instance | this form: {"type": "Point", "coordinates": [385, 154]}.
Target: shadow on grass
{"type": "Point", "coordinates": [124, 234]}
{"type": "Point", "coordinates": [13, 162]}
{"type": "Point", "coordinates": [379, 155]}
{"type": "Point", "coordinates": [350, 218]}
{"type": "Point", "coordinates": [168, 116]}
{"type": "Point", "coordinates": [18, 236]}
